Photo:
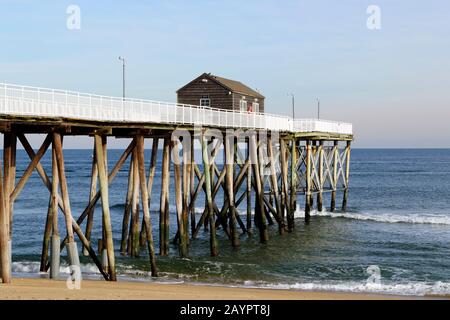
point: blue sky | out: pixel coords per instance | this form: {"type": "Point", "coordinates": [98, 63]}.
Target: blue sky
{"type": "Point", "coordinates": [391, 83]}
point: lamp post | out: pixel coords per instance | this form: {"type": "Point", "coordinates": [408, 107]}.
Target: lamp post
{"type": "Point", "coordinates": [123, 76]}
{"type": "Point", "coordinates": [318, 108]}
{"type": "Point", "coordinates": [293, 106]}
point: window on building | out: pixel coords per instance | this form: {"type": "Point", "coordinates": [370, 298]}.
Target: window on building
{"type": "Point", "coordinates": [243, 105]}
{"type": "Point", "coordinates": [255, 107]}
{"type": "Point", "coordinates": [205, 102]}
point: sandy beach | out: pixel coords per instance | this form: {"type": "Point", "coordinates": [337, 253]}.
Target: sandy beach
{"type": "Point", "coordinates": [43, 289]}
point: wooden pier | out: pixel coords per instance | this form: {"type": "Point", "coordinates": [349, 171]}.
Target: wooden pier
{"type": "Point", "coordinates": [277, 161]}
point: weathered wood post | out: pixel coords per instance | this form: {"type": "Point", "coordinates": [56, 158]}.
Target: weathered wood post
{"type": "Point", "coordinates": [9, 162]}
{"type": "Point", "coordinates": [71, 244]}
{"type": "Point", "coordinates": [249, 192]}
{"type": "Point", "coordinates": [274, 184]}
{"type": "Point", "coordinates": [192, 184]}
{"type": "Point", "coordinates": [134, 249]}
{"type": "Point", "coordinates": [127, 211]}
{"type": "Point", "coordinates": [320, 182]}
{"type": "Point", "coordinates": [164, 201]}
{"type": "Point", "coordinates": [308, 180]}
{"type": "Point", "coordinates": [92, 192]}
{"type": "Point", "coordinates": [145, 203]}
{"type": "Point", "coordinates": [186, 186]}
{"type": "Point", "coordinates": [335, 176]}
{"type": "Point", "coordinates": [179, 200]}
{"type": "Point", "coordinates": [211, 216]}
{"type": "Point", "coordinates": [55, 250]}
{"type": "Point", "coordinates": [284, 178]}
{"type": "Point", "coordinates": [347, 176]}
{"type": "Point", "coordinates": [103, 179]}
{"type": "Point", "coordinates": [151, 178]}
{"type": "Point", "coordinates": [229, 167]}
{"type": "Point", "coordinates": [47, 236]}
{"type": "Point", "coordinates": [5, 248]}
{"type": "Point", "coordinates": [259, 208]}
{"type": "Point", "coordinates": [293, 198]}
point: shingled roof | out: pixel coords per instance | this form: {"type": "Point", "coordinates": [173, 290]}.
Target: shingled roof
{"type": "Point", "coordinates": [237, 86]}
{"type": "Point", "coordinates": [232, 85]}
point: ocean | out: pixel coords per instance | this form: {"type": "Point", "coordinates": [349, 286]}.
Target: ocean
{"type": "Point", "coordinates": [394, 237]}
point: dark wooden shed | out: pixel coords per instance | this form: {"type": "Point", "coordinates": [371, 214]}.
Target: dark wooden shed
{"type": "Point", "coordinates": [209, 90]}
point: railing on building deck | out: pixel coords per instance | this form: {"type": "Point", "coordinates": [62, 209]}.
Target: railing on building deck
{"type": "Point", "coordinates": [42, 102]}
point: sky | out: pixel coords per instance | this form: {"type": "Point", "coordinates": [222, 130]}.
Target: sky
{"type": "Point", "coordinates": [392, 83]}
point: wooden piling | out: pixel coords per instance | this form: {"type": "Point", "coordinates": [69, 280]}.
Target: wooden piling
{"type": "Point", "coordinates": [335, 176]}
{"type": "Point", "coordinates": [63, 186]}
{"type": "Point", "coordinates": [145, 204]}
{"type": "Point", "coordinates": [209, 201]}
{"type": "Point", "coordinates": [186, 187]}
{"type": "Point", "coordinates": [259, 209]}
{"type": "Point", "coordinates": [293, 196]}
{"type": "Point", "coordinates": [320, 182]}
{"type": "Point", "coordinates": [308, 181]}
{"type": "Point", "coordinates": [151, 178]}
{"type": "Point", "coordinates": [179, 200]}
{"type": "Point", "coordinates": [103, 181]}
{"type": "Point", "coordinates": [347, 176]}
{"type": "Point", "coordinates": [274, 185]}
{"type": "Point", "coordinates": [55, 247]}
{"type": "Point", "coordinates": [249, 193]}
{"type": "Point", "coordinates": [127, 211]}
{"type": "Point", "coordinates": [284, 178]}
{"type": "Point", "coordinates": [92, 192]}
{"type": "Point", "coordinates": [134, 248]}
{"type": "Point", "coordinates": [164, 201]}
{"type": "Point", "coordinates": [47, 236]}
{"type": "Point", "coordinates": [192, 185]}
{"type": "Point", "coordinates": [229, 167]}
{"type": "Point", "coordinates": [5, 249]}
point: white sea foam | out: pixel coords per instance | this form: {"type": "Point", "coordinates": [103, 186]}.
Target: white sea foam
{"type": "Point", "coordinates": [410, 288]}
{"type": "Point", "coordinates": [415, 218]}
{"type": "Point", "coordinates": [33, 267]}
{"type": "Point", "coordinates": [126, 272]}
{"type": "Point", "coordinates": [384, 217]}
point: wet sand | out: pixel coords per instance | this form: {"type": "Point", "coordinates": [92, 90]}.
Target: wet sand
{"type": "Point", "coordinates": [44, 289]}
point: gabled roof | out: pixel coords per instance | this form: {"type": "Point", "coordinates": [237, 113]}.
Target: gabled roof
{"type": "Point", "coordinates": [232, 85]}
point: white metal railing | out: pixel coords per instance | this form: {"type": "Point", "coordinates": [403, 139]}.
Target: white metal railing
{"type": "Point", "coordinates": [42, 102]}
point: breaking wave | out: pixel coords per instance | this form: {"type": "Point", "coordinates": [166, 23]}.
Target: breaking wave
{"type": "Point", "coordinates": [126, 272]}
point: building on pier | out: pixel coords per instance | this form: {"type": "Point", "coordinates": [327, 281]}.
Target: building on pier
{"type": "Point", "coordinates": [209, 90]}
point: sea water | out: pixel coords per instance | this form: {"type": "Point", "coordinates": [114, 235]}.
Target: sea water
{"type": "Point", "coordinates": [397, 223]}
